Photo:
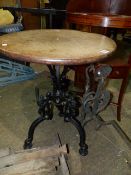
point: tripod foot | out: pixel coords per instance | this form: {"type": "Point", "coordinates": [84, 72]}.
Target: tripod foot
{"type": "Point", "coordinates": [83, 150]}
{"type": "Point", "coordinates": [27, 144]}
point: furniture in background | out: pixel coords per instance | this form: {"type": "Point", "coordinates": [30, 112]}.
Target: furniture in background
{"type": "Point", "coordinates": [58, 19]}
{"type": "Point", "coordinates": [118, 7]}
{"type": "Point", "coordinates": [63, 47]}
{"type": "Point", "coordinates": [10, 70]}
{"type": "Point", "coordinates": [17, 25]}
{"type": "Point", "coordinates": [120, 70]}
{"type": "Point", "coordinates": [109, 7]}
{"type": "Point", "coordinates": [31, 21]}
{"type": "Point", "coordinates": [43, 4]}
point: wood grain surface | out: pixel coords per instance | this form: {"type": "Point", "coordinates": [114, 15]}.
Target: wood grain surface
{"type": "Point", "coordinates": [61, 47]}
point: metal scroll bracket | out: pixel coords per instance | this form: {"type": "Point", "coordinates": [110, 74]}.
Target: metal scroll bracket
{"type": "Point", "coordinates": [96, 97]}
{"type": "Point", "coordinates": [12, 72]}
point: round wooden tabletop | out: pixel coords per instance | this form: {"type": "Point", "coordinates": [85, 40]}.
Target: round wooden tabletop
{"type": "Point", "coordinates": [58, 47]}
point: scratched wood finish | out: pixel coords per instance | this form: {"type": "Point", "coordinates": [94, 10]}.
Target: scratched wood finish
{"type": "Point", "coordinates": [64, 47]}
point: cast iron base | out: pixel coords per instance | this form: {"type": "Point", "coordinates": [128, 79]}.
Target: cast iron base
{"type": "Point", "coordinates": [67, 104]}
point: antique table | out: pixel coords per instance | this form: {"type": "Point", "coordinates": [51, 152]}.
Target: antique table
{"type": "Point", "coordinates": [62, 47]}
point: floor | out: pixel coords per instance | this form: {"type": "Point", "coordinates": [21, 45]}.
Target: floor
{"type": "Point", "coordinates": [109, 154]}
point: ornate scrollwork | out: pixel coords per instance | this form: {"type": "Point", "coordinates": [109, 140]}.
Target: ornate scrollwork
{"type": "Point", "coordinates": [95, 99]}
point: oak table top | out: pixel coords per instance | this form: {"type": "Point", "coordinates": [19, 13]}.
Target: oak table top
{"type": "Point", "coordinates": [57, 47]}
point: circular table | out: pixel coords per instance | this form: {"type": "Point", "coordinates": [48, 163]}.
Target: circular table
{"type": "Point", "coordinates": [55, 48]}
{"type": "Point", "coordinates": [63, 47]}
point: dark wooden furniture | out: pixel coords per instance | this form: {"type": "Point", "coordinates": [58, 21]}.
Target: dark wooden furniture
{"type": "Point", "coordinates": [119, 70]}
{"type": "Point", "coordinates": [108, 7]}
{"type": "Point", "coordinates": [119, 7]}
{"type": "Point", "coordinates": [31, 21]}
{"type": "Point", "coordinates": [99, 19]}
{"type": "Point", "coordinates": [55, 48]}
{"type": "Point", "coordinates": [58, 19]}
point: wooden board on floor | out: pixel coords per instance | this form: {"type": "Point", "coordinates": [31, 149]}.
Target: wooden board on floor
{"type": "Point", "coordinates": [34, 161]}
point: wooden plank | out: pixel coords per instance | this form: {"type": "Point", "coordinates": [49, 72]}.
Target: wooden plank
{"type": "Point", "coordinates": [41, 172]}
{"type": "Point", "coordinates": [29, 155]}
{"type": "Point", "coordinates": [28, 167]}
{"type": "Point", "coordinates": [64, 166]}
{"type": "Point", "coordinates": [5, 152]}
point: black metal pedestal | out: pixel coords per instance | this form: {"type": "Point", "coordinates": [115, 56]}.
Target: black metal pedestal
{"type": "Point", "coordinates": [67, 104]}
{"type": "Point", "coordinates": [95, 99]}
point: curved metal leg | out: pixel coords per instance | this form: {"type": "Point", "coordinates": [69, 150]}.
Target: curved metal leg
{"type": "Point", "coordinates": [28, 141]}
{"type": "Point", "coordinates": [46, 113]}
{"type": "Point", "coordinates": [83, 146]}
